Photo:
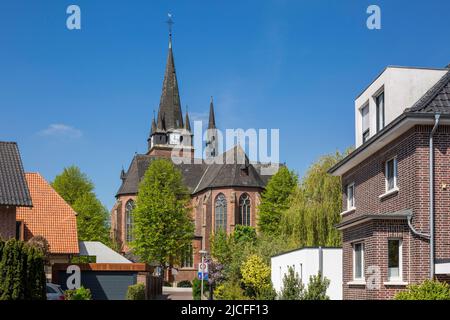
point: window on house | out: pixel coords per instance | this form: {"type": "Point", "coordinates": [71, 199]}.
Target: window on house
{"type": "Point", "coordinates": [350, 196]}
{"type": "Point", "coordinates": [129, 220]}
{"type": "Point", "coordinates": [380, 111]}
{"type": "Point", "coordinates": [391, 174]}
{"type": "Point", "coordinates": [358, 261]}
{"type": "Point", "coordinates": [394, 259]}
{"type": "Point", "coordinates": [244, 210]}
{"type": "Point", "coordinates": [365, 123]}
{"type": "Point", "coordinates": [19, 230]}
{"type": "Point", "coordinates": [221, 213]}
{"type": "Point", "coordinates": [187, 258]}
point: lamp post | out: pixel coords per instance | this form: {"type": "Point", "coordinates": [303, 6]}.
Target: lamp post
{"type": "Point", "coordinates": [203, 253]}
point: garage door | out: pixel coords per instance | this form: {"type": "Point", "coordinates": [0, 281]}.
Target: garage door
{"type": "Point", "coordinates": [104, 285]}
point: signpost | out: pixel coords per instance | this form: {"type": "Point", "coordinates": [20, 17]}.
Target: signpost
{"type": "Point", "coordinates": [202, 272]}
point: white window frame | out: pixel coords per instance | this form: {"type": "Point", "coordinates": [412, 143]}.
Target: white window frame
{"type": "Point", "coordinates": [351, 207]}
{"type": "Point", "coordinates": [365, 105]}
{"type": "Point", "coordinates": [395, 187]}
{"type": "Point", "coordinates": [377, 110]}
{"type": "Point", "coordinates": [400, 261]}
{"type": "Point", "coordinates": [362, 278]}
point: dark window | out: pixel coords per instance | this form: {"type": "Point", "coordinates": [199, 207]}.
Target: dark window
{"type": "Point", "coordinates": [129, 220]}
{"type": "Point", "coordinates": [365, 122]}
{"type": "Point", "coordinates": [221, 212]}
{"type": "Point", "coordinates": [19, 230]}
{"type": "Point", "coordinates": [391, 174]}
{"type": "Point", "coordinates": [244, 210]}
{"type": "Point", "coordinates": [380, 111]}
{"type": "Point", "coordinates": [394, 248]}
{"type": "Point", "coordinates": [351, 196]}
{"type": "Point", "coordinates": [187, 259]}
{"type": "Point", "coordinates": [358, 251]}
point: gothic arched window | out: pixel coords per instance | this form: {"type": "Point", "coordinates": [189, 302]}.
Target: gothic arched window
{"type": "Point", "coordinates": [221, 212]}
{"type": "Point", "coordinates": [129, 220]}
{"type": "Point", "coordinates": [244, 210]}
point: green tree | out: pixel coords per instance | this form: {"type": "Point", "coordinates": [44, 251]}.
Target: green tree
{"type": "Point", "coordinates": [162, 218]}
{"type": "Point", "coordinates": [428, 290]}
{"type": "Point", "coordinates": [244, 234]}
{"type": "Point", "coordinates": [315, 207]}
{"type": "Point", "coordinates": [71, 184]}
{"type": "Point", "coordinates": [275, 200]}
{"type": "Point", "coordinates": [78, 191]}
{"type": "Point", "coordinates": [91, 219]}
{"type": "Point", "coordinates": [293, 288]}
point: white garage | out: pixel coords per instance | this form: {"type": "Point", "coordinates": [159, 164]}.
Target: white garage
{"type": "Point", "coordinates": [308, 262]}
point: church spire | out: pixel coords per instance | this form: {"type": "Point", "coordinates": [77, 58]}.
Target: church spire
{"type": "Point", "coordinates": [153, 124]}
{"type": "Point", "coordinates": [187, 123]}
{"type": "Point", "coordinates": [169, 114]}
{"type": "Point", "coordinates": [212, 118]}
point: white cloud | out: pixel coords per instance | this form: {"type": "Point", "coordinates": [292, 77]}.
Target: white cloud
{"type": "Point", "coordinates": [61, 130]}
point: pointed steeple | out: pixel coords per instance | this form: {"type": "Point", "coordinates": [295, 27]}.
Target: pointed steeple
{"type": "Point", "coordinates": [212, 118]}
{"type": "Point", "coordinates": [187, 123]}
{"type": "Point", "coordinates": [153, 124]}
{"type": "Point", "coordinates": [169, 105]}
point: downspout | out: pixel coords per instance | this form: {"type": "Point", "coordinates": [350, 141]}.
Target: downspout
{"type": "Point", "coordinates": [431, 180]}
{"type": "Point", "coordinates": [321, 262]}
{"type": "Point", "coordinates": [429, 236]}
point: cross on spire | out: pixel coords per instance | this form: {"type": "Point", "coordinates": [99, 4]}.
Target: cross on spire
{"type": "Point", "coordinates": [170, 24]}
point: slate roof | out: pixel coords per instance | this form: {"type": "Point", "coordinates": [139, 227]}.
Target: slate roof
{"type": "Point", "coordinates": [169, 114]}
{"type": "Point", "coordinates": [13, 186]}
{"type": "Point", "coordinates": [236, 171]}
{"type": "Point", "coordinates": [50, 217]}
{"type": "Point", "coordinates": [436, 100]}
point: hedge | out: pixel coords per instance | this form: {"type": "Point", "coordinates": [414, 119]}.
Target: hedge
{"type": "Point", "coordinates": [22, 275]}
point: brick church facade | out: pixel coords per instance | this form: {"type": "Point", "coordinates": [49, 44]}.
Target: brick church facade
{"type": "Point", "coordinates": [223, 193]}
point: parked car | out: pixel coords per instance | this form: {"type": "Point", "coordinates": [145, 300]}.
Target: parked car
{"type": "Point", "coordinates": [54, 292]}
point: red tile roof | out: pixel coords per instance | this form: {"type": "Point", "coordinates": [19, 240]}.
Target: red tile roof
{"type": "Point", "coordinates": [50, 217]}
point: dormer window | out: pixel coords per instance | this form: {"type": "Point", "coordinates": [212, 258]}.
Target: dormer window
{"type": "Point", "coordinates": [379, 100]}
{"type": "Point", "coordinates": [365, 123]}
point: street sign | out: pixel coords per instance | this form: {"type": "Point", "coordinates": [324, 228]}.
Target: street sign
{"type": "Point", "coordinates": [203, 266]}
{"type": "Point", "coordinates": [205, 276]}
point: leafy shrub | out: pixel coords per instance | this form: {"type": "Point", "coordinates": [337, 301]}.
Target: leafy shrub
{"type": "Point", "coordinates": [229, 291]}
{"type": "Point", "coordinates": [196, 288]}
{"type": "Point", "coordinates": [81, 293]}
{"type": "Point", "coordinates": [244, 234]}
{"type": "Point", "coordinates": [293, 288]}
{"type": "Point", "coordinates": [136, 292]}
{"type": "Point", "coordinates": [317, 288]}
{"type": "Point", "coordinates": [40, 243]}
{"type": "Point", "coordinates": [167, 284]}
{"type": "Point", "coordinates": [256, 277]}
{"type": "Point", "coordinates": [184, 284]}
{"type": "Point", "coordinates": [428, 290]}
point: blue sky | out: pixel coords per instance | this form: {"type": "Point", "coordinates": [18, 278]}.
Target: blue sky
{"type": "Point", "coordinates": [86, 97]}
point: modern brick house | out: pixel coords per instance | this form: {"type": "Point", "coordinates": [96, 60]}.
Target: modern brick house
{"type": "Point", "coordinates": [222, 194]}
{"type": "Point", "coordinates": [14, 191]}
{"type": "Point", "coordinates": [396, 184]}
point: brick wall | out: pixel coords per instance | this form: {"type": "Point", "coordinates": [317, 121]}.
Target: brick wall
{"type": "Point", "coordinates": [7, 222]}
{"type": "Point", "coordinates": [412, 152]}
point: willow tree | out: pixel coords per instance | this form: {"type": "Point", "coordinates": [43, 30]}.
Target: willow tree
{"type": "Point", "coordinates": [315, 206]}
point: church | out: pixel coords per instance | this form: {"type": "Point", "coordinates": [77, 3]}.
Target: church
{"type": "Point", "coordinates": [223, 193]}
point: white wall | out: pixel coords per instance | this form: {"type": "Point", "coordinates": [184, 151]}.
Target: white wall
{"type": "Point", "coordinates": [403, 87]}
{"type": "Point", "coordinates": [306, 263]}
